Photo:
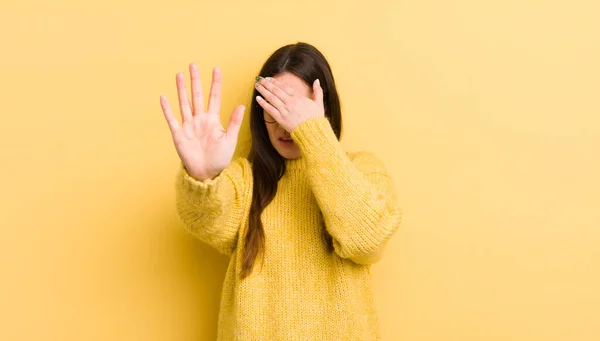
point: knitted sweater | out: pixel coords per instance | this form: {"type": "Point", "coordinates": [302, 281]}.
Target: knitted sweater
{"type": "Point", "coordinates": [298, 290]}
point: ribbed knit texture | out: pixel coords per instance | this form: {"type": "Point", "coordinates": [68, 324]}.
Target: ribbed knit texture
{"type": "Point", "coordinates": [299, 290]}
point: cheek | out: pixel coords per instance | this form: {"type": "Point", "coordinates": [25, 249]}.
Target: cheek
{"type": "Point", "coordinates": [271, 131]}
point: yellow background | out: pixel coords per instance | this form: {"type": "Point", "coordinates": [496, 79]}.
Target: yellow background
{"type": "Point", "coordinates": [486, 113]}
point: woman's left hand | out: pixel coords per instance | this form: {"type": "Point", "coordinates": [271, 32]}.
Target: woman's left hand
{"type": "Point", "coordinates": [286, 106]}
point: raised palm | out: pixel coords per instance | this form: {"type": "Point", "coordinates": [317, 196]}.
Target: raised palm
{"type": "Point", "coordinates": [203, 145]}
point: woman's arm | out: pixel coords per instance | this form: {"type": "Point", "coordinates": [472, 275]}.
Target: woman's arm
{"type": "Point", "coordinates": [355, 193]}
{"type": "Point", "coordinates": [214, 209]}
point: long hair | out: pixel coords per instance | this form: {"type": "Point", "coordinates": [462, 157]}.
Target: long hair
{"type": "Point", "coordinates": [306, 62]}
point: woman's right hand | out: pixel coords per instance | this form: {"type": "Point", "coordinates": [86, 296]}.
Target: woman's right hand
{"type": "Point", "coordinates": [203, 145]}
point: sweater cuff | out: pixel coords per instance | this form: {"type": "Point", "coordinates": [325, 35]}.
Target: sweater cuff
{"type": "Point", "coordinates": [315, 137]}
{"type": "Point", "coordinates": [194, 184]}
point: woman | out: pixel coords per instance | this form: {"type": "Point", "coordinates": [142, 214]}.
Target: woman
{"type": "Point", "coordinates": [301, 220]}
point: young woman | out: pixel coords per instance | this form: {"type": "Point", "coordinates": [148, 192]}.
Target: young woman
{"type": "Point", "coordinates": [301, 219]}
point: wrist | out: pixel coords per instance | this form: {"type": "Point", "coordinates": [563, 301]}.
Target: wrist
{"type": "Point", "coordinates": [201, 176]}
{"type": "Point", "coordinates": [206, 176]}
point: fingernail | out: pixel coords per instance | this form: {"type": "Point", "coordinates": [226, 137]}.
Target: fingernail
{"type": "Point", "coordinates": [258, 78]}
{"type": "Point", "coordinates": [268, 78]}
{"type": "Point", "coordinates": [318, 82]}
{"type": "Point", "coordinates": [257, 85]}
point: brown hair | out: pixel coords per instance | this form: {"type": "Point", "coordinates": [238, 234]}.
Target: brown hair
{"type": "Point", "coordinates": [306, 62]}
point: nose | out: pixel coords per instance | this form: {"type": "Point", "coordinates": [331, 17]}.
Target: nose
{"type": "Point", "coordinates": [285, 133]}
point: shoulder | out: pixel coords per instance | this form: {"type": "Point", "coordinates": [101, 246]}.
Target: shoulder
{"type": "Point", "coordinates": [239, 169]}
{"type": "Point", "coordinates": [374, 169]}
{"type": "Point", "coordinates": [366, 160]}
{"type": "Point", "coordinates": [241, 162]}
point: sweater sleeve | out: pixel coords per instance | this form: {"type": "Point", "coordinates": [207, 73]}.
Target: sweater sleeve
{"type": "Point", "coordinates": [214, 209]}
{"type": "Point", "coordinates": [354, 192]}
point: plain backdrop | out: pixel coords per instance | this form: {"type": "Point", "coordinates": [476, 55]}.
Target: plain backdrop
{"type": "Point", "coordinates": [486, 114]}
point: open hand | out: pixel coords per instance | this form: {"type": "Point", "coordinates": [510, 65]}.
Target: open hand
{"type": "Point", "coordinates": [203, 145]}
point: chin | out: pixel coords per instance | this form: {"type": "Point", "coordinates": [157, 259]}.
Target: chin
{"type": "Point", "coordinates": [290, 154]}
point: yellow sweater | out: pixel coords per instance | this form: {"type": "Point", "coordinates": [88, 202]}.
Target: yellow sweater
{"type": "Point", "coordinates": [299, 291]}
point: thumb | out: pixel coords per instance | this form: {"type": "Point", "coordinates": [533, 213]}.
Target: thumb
{"type": "Point", "coordinates": [235, 122]}
{"type": "Point", "coordinates": [318, 92]}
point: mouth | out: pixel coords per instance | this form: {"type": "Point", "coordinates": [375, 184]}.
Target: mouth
{"type": "Point", "coordinates": [286, 141]}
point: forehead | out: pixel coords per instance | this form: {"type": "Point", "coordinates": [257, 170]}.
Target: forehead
{"type": "Point", "coordinates": [294, 82]}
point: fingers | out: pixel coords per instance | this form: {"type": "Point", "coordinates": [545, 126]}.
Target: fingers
{"type": "Point", "coordinates": [214, 102]}
{"type": "Point", "coordinates": [235, 122]}
{"type": "Point", "coordinates": [274, 87]}
{"type": "Point", "coordinates": [318, 92]}
{"type": "Point", "coordinates": [274, 101]}
{"type": "Point", "coordinates": [197, 97]}
{"type": "Point", "coordinates": [184, 103]}
{"type": "Point", "coordinates": [269, 108]}
{"type": "Point", "coordinates": [288, 90]}
{"type": "Point", "coordinates": [166, 108]}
